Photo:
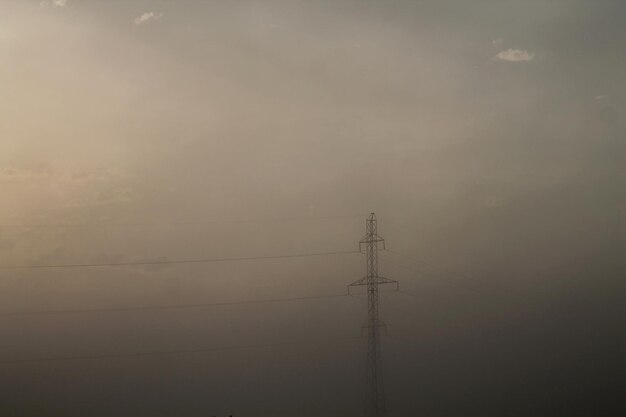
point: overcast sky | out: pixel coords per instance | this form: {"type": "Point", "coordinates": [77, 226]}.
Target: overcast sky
{"type": "Point", "coordinates": [488, 136]}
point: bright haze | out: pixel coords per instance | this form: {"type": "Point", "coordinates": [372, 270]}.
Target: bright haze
{"type": "Point", "coordinates": [488, 137]}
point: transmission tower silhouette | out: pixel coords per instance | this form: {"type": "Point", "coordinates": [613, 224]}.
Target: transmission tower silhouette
{"type": "Point", "coordinates": [375, 392]}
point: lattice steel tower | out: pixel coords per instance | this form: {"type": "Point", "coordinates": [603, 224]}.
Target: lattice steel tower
{"type": "Point", "coordinates": [375, 392]}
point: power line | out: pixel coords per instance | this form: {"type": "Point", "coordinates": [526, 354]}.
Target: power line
{"type": "Point", "coordinates": [175, 262]}
{"type": "Point", "coordinates": [170, 352]}
{"type": "Point", "coordinates": [177, 223]}
{"type": "Point", "coordinates": [166, 307]}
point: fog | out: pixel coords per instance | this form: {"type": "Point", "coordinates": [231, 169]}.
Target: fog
{"type": "Point", "coordinates": [488, 137]}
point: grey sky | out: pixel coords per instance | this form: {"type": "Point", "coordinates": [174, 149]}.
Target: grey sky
{"type": "Point", "coordinates": [487, 135]}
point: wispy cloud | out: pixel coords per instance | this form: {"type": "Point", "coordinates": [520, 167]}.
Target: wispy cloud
{"type": "Point", "coordinates": [147, 17]}
{"type": "Point", "coordinates": [515, 55]}
{"type": "Point", "coordinates": [54, 3]}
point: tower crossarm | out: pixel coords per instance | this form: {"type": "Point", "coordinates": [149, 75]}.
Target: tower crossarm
{"type": "Point", "coordinates": [375, 280]}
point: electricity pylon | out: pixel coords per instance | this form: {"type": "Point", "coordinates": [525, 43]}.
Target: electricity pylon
{"type": "Point", "coordinates": [375, 392]}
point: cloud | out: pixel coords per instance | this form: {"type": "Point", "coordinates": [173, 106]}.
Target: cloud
{"type": "Point", "coordinates": [497, 42]}
{"type": "Point", "coordinates": [515, 55]}
{"type": "Point", "coordinates": [54, 3]}
{"type": "Point", "coordinates": [148, 16]}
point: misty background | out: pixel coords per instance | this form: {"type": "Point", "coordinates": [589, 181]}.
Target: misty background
{"type": "Point", "coordinates": [488, 137]}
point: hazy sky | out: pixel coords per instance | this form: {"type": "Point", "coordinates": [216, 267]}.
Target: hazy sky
{"type": "Point", "coordinates": [488, 136]}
